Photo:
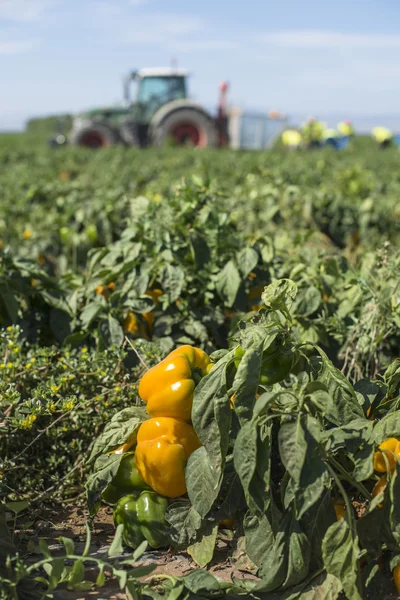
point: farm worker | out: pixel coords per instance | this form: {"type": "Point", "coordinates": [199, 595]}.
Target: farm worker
{"type": "Point", "coordinates": [330, 137]}
{"type": "Point", "coordinates": [346, 128]}
{"type": "Point", "coordinates": [291, 138]}
{"type": "Point", "coordinates": [383, 136]}
{"type": "Point", "coordinates": [312, 132]}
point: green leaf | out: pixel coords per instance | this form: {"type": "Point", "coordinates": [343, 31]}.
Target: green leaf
{"type": "Point", "coordinates": [172, 282]}
{"type": "Point", "coordinates": [282, 551]}
{"type": "Point", "coordinates": [123, 426]}
{"type": "Point", "coordinates": [345, 407]}
{"type": "Point", "coordinates": [203, 583]}
{"type": "Point", "coordinates": [17, 506]}
{"type": "Point", "coordinates": [11, 304]}
{"type": "Point", "coordinates": [389, 426]}
{"type": "Point", "coordinates": [44, 549]}
{"type": "Point", "coordinates": [247, 260]}
{"type": "Point", "coordinates": [101, 578]}
{"type": "Point", "coordinates": [90, 312]}
{"type": "Point", "coordinates": [300, 454]}
{"type": "Point", "coordinates": [211, 417]}
{"type": "Point", "coordinates": [246, 381]}
{"type": "Point", "coordinates": [252, 458]}
{"type": "Point", "coordinates": [201, 481]}
{"type": "Point", "coordinates": [106, 468]}
{"type": "Point", "coordinates": [228, 283]}
{"type": "Point", "coordinates": [77, 574]}
{"type": "Point", "coordinates": [68, 545]}
{"type": "Point", "coordinates": [116, 332]}
{"type": "Point", "coordinates": [315, 523]}
{"type": "Point", "coordinates": [279, 295]}
{"type": "Point", "coordinates": [122, 576]}
{"type": "Point", "coordinates": [116, 545]}
{"type": "Point", "coordinates": [202, 552]}
{"type": "Point", "coordinates": [56, 570]}
{"type": "Point", "coordinates": [340, 553]}
{"type": "Point", "coordinates": [307, 301]}
{"type": "Point", "coordinates": [200, 250]}
{"type": "Point", "coordinates": [184, 523]}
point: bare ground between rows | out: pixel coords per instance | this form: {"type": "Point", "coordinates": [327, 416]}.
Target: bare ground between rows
{"type": "Point", "coordinates": [69, 521]}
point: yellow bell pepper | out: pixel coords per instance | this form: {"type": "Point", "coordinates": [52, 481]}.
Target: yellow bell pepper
{"type": "Point", "coordinates": [150, 316]}
{"type": "Point", "coordinates": [340, 510]}
{"type": "Point", "coordinates": [167, 388]}
{"type": "Point", "coordinates": [379, 487]}
{"type": "Point", "coordinates": [391, 449]}
{"type": "Point", "coordinates": [396, 577]}
{"type": "Point", "coordinates": [133, 325]}
{"type": "Point", "coordinates": [105, 291]}
{"type": "Point", "coordinates": [163, 447]}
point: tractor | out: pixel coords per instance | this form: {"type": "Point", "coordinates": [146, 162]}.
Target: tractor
{"type": "Point", "coordinates": [161, 113]}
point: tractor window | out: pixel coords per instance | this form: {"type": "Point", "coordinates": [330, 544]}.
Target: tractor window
{"type": "Point", "coordinates": [156, 91]}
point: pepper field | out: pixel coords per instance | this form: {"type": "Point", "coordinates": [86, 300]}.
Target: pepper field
{"type": "Point", "coordinates": [285, 269]}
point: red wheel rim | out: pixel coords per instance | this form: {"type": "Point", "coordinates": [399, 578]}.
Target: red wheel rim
{"type": "Point", "coordinates": [185, 133]}
{"type": "Point", "coordinates": [93, 139]}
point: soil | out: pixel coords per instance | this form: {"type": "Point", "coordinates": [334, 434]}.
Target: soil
{"type": "Point", "coordinates": [49, 523]}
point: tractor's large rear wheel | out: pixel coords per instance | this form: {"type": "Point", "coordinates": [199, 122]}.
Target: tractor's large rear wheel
{"type": "Point", "coordinates": [93, 136]}
{"type": "Point", "coordinates": [186, 127]}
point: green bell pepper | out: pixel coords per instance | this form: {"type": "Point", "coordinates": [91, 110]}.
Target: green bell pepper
{"type": "Point", "coordinates": [127, 479]}
{"type": "Point", "coordinates": [143, 517]}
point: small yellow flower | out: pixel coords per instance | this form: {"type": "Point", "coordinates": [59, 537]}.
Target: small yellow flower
{"type": "Point", "coordinates": [55, 388]}
{"type": "Point", "coordinates": [64, 429]}
{"type": "Point", "coordinates": [26, 423]}
{"type": "Point", "coordinates": [106, 404]}
{"type": "Point", "coordinates": [32, 418]}
{"type": "Point", "coordinates": [69, 405]}
{"type": "Point", "coordinates": [11, 343]}
{"type": "Point", "coordinates": [28, 365]}
{"type": "Point", "coordinates": [27, 233]}
{"type": "Point", "coordinates": [2, 366]}
{"type": "Point", "coordinates": [71, 377]}
{"type": "Point", "coordinates": [15, 350]}
{"type": "Point", "coordinates": [10, 365]}
{"type": "Point", "coordinates": [10, 328]}
{"type": "Point", "coordinates": [84, 350]}
{"type": "Point", "coordinates": [52, 407]}
{"type": "Point", "coordinates": [64, 379]}
{"type": "Point", "coordinates": [65, 366]}
{"type": "Point", "coordinates": [98, 398]}
{"type": "Point", "coordinates": [33, 360]}
{"type": "Point", "coordinates": [103, 373]}
{"type": "Point", "coordinates": [117, 389]}
{"type": "Point", "coordinates": [72, 443]}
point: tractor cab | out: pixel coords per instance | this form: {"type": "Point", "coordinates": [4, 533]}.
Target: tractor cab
{"type": "Point", "coordinates": [154, 89]}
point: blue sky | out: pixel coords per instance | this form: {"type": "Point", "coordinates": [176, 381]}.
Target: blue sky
{"type": "Point", "coordinates": [328, 58]}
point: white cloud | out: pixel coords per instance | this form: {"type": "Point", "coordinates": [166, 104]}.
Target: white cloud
{"type": "Point", "coordinates": [17, 47]}
{"type": "Point", "coordinates": [22, 10]}
{"type": "Point", "coordinates": [329, 39]}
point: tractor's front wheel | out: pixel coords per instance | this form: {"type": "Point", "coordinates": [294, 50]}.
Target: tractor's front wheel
{"type": "Point", "coordinates": [93, 136]}
{"type": "Point", "coordinates": [186, 127]}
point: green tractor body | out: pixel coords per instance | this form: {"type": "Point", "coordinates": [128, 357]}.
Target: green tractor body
{"type": "Point", "coordinates": [160, 113]}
